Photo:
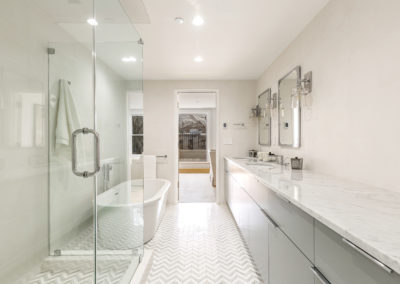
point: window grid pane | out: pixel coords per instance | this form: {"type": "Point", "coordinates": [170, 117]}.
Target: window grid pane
{"type": "Point", "coordinates": [137, 144]}
{"type": "Point", "coordinates": [137, 124]}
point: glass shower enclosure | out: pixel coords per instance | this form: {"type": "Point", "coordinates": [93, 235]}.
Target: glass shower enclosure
{"type": "Point", "coordinates": [95, 208]}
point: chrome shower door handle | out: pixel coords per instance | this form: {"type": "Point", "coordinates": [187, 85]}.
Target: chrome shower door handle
{"type": "Point", "coordinates": [85, 174]}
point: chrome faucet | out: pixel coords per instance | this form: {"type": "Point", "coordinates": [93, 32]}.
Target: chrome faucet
{"type": "Point", "coordinates": [107, 169]}
{"type": "Point", "coordinates": [279, 159]}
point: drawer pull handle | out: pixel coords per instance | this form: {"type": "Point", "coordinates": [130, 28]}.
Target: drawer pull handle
{"type": "Point", "coordinates": [319, 275]}
{"type": "Point", "coordinates": [273, 223]}
{"type": "Point", "coordinates": [367, 255]}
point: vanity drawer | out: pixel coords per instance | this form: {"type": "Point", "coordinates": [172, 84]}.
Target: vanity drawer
{"type": "Point", "coordinates": [341, 263]}
{"type": "Point", "coordinates": [287, 265]}
{"type": "Point", "coordinates": [295, 223]}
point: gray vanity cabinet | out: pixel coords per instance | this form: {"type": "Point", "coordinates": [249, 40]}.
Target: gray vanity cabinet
{"type": "Point", "coordinates": [295, 223]}
{"type": "Point", "coordinates": [226, 185]}
{"type": "Point", "coordinates": [252, 223]}
{"type": "Point", "coordinates": [256, 234]}
{"type": "Point", "coordinates": [291, 247]}
{"type": "Point", "coordinates": [342, 264]}
{"type": "Point", "coordinates": [287, 265]}
{"type": "Point", "coordinates": [235, 200]}
{"type": "Point", "coordinates": [258, 244]}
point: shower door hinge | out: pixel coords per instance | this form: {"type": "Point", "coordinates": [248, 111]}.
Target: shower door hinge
{"type": "Point", "coordinates": [57, 252]}
{"type": "Point", "coordinates": [140, 41]}
{"type": "Point", "coordinates": [51, 50]}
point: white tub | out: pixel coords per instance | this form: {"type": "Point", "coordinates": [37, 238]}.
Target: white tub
{"type": "Point", "coordinates": [121, 213]}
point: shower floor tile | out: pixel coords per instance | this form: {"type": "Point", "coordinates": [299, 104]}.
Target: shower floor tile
{"type": "Point", "coordinates": [79, 270]}
{"type": "Point", "coordinates": [125, 238]}
{"type": "Point", "coordinates": [115, 262]}
{"type": "Point", "coordinates": [200, 243]}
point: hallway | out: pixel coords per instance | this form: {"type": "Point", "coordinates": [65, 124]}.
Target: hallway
{"type": "Point", "coordinates": [196, 188]}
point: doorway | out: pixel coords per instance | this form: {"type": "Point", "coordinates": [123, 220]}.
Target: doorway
{"type": "Point", "coordinates": [197, 124]}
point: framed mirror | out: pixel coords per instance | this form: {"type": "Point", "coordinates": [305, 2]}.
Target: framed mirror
{"type": "Point", "coordinates": [289, 109]}
{"type": "Point", "coordinates": [264, 118]}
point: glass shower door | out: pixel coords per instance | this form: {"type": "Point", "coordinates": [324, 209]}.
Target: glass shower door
{"type": "Point", "coordinates": [95, 207]}
{"type": "Point", "coordinates": [118, 52]}
{"type": "Point", "coordinates": [71, 195]}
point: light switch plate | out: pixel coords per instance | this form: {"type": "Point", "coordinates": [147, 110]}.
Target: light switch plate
{"type": "Point", "coordinates": [228, 141]}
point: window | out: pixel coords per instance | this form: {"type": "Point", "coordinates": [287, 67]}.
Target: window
{"type": "Point", "coordinates": [193, 137]}
{"type": "Point", "coordinates": [137, 134]}
{"type": "Point", "coordinates": [192, 131]}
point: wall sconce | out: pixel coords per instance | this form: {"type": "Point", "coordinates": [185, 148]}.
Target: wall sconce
{"type": "Point", "coordinates": [255, 111]}
{"type": "Point", "coordinates": [305, 86]}
{"type": "Point", "coordinates": [273, 101]}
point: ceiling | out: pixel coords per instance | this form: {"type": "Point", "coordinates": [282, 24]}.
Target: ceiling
{"type": "Point", "coordinates": [239, 39]}
{"type": "Point", "coordinates": [116, 37]}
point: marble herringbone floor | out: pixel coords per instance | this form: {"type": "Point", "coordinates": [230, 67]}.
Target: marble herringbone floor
{"type": "Point", "coordinates": [199, 243]}
{"type": "Point", "coordinates": [118, 241]}
{"type": "Point", "coordinates": [196, 188]}
{"type": "Point", "coordinates": [79, 270]}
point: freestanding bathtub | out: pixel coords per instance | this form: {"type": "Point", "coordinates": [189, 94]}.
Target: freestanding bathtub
{"type": "Point", "coordinates": [155, 201]}
{"type": "Point", "coordinates": [124, 222]}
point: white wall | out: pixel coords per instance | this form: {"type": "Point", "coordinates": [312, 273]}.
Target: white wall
{"type": "Point", "coordinates": [350, 122]}
{"type": "Point", "coordinates": [24, 33]}
{"type": "Point", "coordinates": [135, 99]}
{"type": "Point", "coordinates": [197, 100]}
{"type": "Point", "coordinates": [161, 124]}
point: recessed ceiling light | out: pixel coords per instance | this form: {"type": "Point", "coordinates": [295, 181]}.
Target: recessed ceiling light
{"type": "Point", "coordinates": [128, 59]}
{"type": "Point", "coordinates": [179, 20]}
{"type": "Point", "coordinates": [198, 59]}
{"type": "Point", "coordinates": [198, 21]}
{"type": "Point", "coordinates": [92, 22]}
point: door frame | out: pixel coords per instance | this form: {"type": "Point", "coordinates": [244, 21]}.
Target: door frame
{"type": "Point", "coordinates": [218, 193]}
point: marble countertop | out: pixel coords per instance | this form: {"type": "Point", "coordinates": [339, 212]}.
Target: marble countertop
{"type": "Point", "coordinates": [367, 216]}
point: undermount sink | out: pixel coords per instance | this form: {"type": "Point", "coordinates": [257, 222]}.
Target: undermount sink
{"type": "Point", "coordinates": [260, 164]}
{"type": "Point", "coordinates": [253, 162]}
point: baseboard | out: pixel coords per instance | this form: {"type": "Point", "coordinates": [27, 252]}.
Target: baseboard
{"type": "Point", "coordinates": [194, 171]}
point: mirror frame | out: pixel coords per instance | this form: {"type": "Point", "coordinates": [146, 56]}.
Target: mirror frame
{"type": "Point", "coordinates": [296, 138]}
{"type": "Point", "coordinates": [267, 92]}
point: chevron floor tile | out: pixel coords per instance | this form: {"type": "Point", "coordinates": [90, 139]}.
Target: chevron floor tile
{"type": "Point", "coordinates": [195, 188]}
{"type": "Point", "coordinates": [79, 270]}
{"type": "Point", "coordinates": [115, 231]}
{"type": "Point", "coordinates": [200, 243]}
{"type": "Point", "coordinates": [119, 239]}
